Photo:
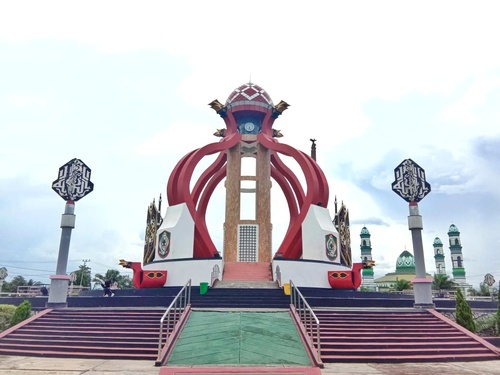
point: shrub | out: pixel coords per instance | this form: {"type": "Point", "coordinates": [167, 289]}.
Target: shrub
{"type": "Point", "coordinates": [23, 311]}
{"type": "Point", "coordinates": [463, 313]}
{"type": "Point", "coordinates": [6, 313]}
{"type": "Point", "coordinates": [497, 316]}
{"type": "Point", "coordinates": [486, 325]}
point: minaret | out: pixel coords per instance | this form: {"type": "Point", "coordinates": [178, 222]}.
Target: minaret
{"type": "Point", "coordinates": [439, 256]}
{"type": "Point", "coordinates": [457, 259]}
{"type": "Point", "coordinates": [366, 255]}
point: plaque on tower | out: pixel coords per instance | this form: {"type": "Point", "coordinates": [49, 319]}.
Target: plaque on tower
{"type": "Point", "coordinates": [73, 181]}
{"type": "Point", "coordinates": [410, 181]}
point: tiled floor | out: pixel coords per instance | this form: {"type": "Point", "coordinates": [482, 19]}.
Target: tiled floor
{"type": "Point", "coordinates": [234, 338]}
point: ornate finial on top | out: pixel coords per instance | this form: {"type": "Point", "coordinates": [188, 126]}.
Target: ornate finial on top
{"type": "Point", "coordinates": [277, 133]}
{"type": "Point", "coordinates": [220, 133]}
{"type": "Point", "coordinates": [282, 106]}
{"type": "Point", "coordinates": [313, 149]}
{"type": "Point", "coordinates": [216, 105]}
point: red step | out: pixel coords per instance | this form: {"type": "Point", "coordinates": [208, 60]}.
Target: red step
{"type": "Point", "coordinates": [247, 271]}
{"type": "Point", "coordinates": [397, 336]}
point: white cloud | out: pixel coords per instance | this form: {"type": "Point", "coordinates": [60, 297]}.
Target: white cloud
{"type": "Point", "coordinates": [373, 82]}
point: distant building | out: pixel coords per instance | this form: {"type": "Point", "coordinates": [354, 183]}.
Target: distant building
{"type": "Point", "coordinates": [439, 256]}
{"type": "Point", "coordinates": [457, 258]}
{"type": "Point", "coordinates": [366, 255]}
{"type": "Point", "coordinates": [405, 270]}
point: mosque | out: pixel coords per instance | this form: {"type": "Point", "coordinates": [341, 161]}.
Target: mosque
{"type": "Point", "coordinates": [405, 263]}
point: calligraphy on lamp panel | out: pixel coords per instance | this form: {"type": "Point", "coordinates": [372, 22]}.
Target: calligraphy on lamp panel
{"type": "Point", "coordinates": [410, 181]}
{"type": "Point", "coordinates": [73, 181]}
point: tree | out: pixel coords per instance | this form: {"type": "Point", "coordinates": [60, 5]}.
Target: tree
{"type": "Point", "coordinates": [443, 282]}
{"type": "Point", "coordinates": [124, 281]}
{"type": "Point", "coordinates": [484, 290]}
{"type": "Point", "coordinates": [18, 281]}
{"type": "Point", "coordinates": [82, 276]}
{"type": "Point", "coordinates": [463, 313]}
{"type": "Point", "coordinates": [402, 284]}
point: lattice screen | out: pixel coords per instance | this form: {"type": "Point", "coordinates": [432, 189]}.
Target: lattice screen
{"type": "Point", "coordinates": [248, 239]}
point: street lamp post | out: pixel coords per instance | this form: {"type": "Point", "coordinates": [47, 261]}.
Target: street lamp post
{"type": "Point", "coordinates": [410, 185]}
{"type": "Point", "coordinates": [72, 184]}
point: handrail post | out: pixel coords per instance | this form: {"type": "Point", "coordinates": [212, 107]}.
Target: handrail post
{"type": "Point", "coordinates": [173, 313]}
{"type": "Point", "coordinates": [307, 317]}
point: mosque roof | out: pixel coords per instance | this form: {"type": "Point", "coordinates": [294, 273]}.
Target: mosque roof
{"type": "Point", "coordinates": [437, 241]}
{"type": "Point", "coordinates": [405, 263]}
{"type": "Point", "coordinates": [249, 92]}
{"type": "Point", "coordinates": [453, 229]}
{"type": "Point", "coordinates": [364, 231]}
{"type": "Point", "coordinates": [393, 277]}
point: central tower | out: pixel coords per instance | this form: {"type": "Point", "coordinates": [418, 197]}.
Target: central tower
{"type": "Point", "coordinates": [247, 227]}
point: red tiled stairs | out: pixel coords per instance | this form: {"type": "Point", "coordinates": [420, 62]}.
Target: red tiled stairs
{"type": "Point", "coordinates": [397, 336]}
{"type": "Point", "coordinates": [84, 333]}
{"type": "Point", "coordinates": [247, 271]}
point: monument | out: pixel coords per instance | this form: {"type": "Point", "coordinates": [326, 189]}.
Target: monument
{"type": "Point", "coordinates": [179, 246]}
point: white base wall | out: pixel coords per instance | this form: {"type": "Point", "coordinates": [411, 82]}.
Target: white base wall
{"type": "Point", "coordinates": [304, 273]}
{"type": "Point", "coordinates": [180, 224]}
{"type": "Point", "coordinates": [316, 226]}
{"type": "Point", "coordinates": [180, 271]}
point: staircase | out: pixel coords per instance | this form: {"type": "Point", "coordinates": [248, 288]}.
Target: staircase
{"type": "Point", "coordinates": [396, 336]}
{"type": "Point", "coordinates": [247, 271]}
{"type": "Point", "coordinates": [80, 333]}
{"type": "Point", "coordinates": [269, 298]}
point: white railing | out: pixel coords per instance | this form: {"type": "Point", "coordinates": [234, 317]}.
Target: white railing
{"type": "Point", "coordinates": [215, 275]}
{"type": "Point", "coordinates": [173, 314]}
{"type": "Point", "coordinates": [278, 276]}
{"type": "Point", "coordinates": [307, 317]}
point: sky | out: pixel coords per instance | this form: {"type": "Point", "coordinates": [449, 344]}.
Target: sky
{"type": "Point", "coordinates": [124, 86]}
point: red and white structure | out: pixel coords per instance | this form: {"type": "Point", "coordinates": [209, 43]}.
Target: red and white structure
{"type": "Point", "coordinates": [183, 248]}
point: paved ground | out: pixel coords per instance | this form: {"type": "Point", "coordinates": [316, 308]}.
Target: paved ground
{"type": "Point", "coordinates": [10, 365]}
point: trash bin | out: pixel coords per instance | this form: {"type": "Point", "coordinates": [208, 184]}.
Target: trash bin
{"type": "Point", "coordinates": [286, 288]}
{"type": "Point", "coordinates": [203, 288]}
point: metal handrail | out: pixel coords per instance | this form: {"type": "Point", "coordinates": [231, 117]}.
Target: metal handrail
{"type": "Point", "coordinates": [215, 275]}
{"type": "Point", "coordinates": [278, 275]}
{"type": "Point", "coordinates": [307, 317]}
{"type": "Point", "coordinates": [173, 313]}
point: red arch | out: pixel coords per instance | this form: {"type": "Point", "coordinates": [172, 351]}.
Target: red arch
{"type": "Point", "coordinates": [178, 190]}
{"type": "Point", "coordinates": [197, 200]}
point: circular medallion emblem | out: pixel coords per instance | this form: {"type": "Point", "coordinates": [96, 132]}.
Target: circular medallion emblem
{"type": "Point", "coordinates": [331, 247]}
{"type": "Point", "coordinates": [164, 244]}
{"type": "Point", "coordinates": [249, 126]}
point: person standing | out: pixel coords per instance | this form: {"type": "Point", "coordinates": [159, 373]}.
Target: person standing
{"type": "Point", "coordinates": [107, 288]}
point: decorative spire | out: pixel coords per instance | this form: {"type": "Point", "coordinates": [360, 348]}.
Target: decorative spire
{"type": "Point", "coordinates": [313, 149]}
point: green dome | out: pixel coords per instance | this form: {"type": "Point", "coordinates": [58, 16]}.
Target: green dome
{"type": "Point", "coordinates": [405, 263]}
{"type": "Point", "coordinates": [437, 241]}
{"type": "Point", "coordinates": [453, 229]}
{"type": "Point", "coordinates": [364, 231]}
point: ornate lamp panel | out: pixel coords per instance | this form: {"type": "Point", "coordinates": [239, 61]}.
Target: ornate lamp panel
{"type": "Point", "coordinates": [73, 182]}
{"type": "Point", "coordinates": [410, 181]}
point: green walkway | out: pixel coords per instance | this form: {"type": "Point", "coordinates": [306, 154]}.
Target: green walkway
{"type": "Point", "coordinates": [234, 338]}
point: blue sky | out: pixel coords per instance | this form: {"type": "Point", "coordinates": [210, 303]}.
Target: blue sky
{"type": "Point", "coordinates": [124, 86]}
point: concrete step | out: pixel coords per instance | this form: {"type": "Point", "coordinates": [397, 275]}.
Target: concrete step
{"type": "Point", "coordinates": [238, 284]}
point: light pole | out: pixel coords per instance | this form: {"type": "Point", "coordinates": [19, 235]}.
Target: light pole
{"type": "Point", "coordinates": [84, 269]}
{"type": "Point", "coordinates": [410, 185]}
{"type": "Point", "coordinates": [72, 184]}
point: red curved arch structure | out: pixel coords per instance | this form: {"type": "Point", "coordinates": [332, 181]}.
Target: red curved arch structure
{"type": "Point", "coordinates": [197, 199]}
